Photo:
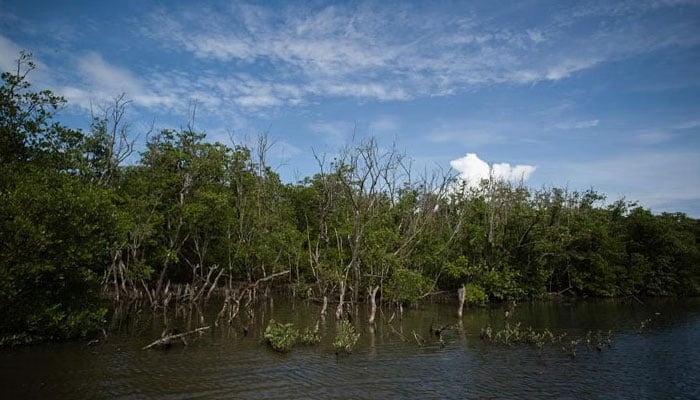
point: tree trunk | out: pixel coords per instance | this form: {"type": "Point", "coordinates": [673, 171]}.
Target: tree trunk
{"type": "Point", "coordinates": [339, 310]}
{"type": "Point", "coordinates": [461, 292]}
{"type": "Point", "coordinates": [325, 306]}
{"type": "Point", "coordinates": [373, 300]}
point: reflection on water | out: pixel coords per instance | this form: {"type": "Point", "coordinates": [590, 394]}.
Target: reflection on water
{"type": "Point", "coordinates": [661, 361]}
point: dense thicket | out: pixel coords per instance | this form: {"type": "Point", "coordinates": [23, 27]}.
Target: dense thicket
{"type": "Point", "coordinates": [75, 219]}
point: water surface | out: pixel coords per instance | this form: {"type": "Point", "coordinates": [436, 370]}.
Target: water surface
{"type": "Point", "coordinates": [660, 361]}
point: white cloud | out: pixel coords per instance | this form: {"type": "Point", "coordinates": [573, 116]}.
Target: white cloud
{"type": "Point", "coordinates": [385, 52]}
{"type": "Point", "coordinates": [283, 151]}
{"type": "Point", "coordinates": [564, 69]}
{"type": "Point", "coordinates": [470, 137]}
{"type": "Point", "coordinates": [384, 124]}
{"type": "Point", "coordinates": [688, 125]}
{"type": "Point", "coordinates": [482, 128]}
{"type": "Point", "coordinates": [652, 138]}
{"type": "Point", "coordinates": [100, 81]}
{"type": "Point", "coordinates": [9, 52]}
{"type": "Point", "coordinates": [535, 35]}
{"type": "Point", "coordinates": [472, 170]}
{"type": "Point", "coordinates": [334, 133]}
{"type": "Point", "coordinates": [655, 179]}
{"type": "Point", "coordinates": [591, 123]}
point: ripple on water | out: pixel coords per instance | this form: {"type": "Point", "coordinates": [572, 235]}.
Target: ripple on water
{"type": "Point", "coordinates": [661, 362]}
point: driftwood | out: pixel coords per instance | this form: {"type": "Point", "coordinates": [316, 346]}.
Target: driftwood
{"type": "Point", "coordinates": [418, 338]}
{"type": "Point", "coordinates": [166, 340]}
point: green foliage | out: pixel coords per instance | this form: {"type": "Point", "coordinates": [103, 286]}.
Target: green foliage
{"type": "Point", "coordinates": [310, 336]}
{"type": "Point", "coordinates": [56, 227]}
{"type": "Point", "coordinates": [407, 286]}
{"type": "Point", "coordinates": [281, 337]}
{"type": "Point", "coordinates": [457, 269]}
{"type": "Point", "coordinates": [475, 294]}
{"type": "Point", "coordinates": [346, 338]}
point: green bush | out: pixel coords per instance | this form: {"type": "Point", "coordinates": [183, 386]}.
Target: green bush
{"type": "Point", "coordinates": [475, 294]}
{"type": "Point", "coordinates": [310, 336]}
{"type": "Point", "coordinates": [281, 337]}
{"type": "Point", "coordinates": [347, 338]}
{"type": "Point", "coordinates": [407, 286]}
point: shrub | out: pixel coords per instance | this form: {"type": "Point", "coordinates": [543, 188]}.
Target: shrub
{"type": "Point", "coordinates": [281, 337]}
{"type": "Point", "coordinates": [346, 339]}
{"type": "Point", "coordinates": [310, 336]}
{"type": "Point", "coordinates": [475, 294]}
{"type": "Point", "coordinates": [408, 286]}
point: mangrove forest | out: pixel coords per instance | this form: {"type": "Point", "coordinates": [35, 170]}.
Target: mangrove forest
{"type": "Point", "coordinates": [88, 219]}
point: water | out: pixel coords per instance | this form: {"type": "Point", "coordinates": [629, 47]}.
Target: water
{"type": "Point", "coordinates": [660, 361]}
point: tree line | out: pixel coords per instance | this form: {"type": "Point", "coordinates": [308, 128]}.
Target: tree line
{"type": "Point", "coordinates": [78, 224]}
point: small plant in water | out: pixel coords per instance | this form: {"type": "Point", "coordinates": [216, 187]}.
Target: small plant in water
{"type": "Point", "coordinates": [281, 337]}
{"type": "Point", "coordinates": [571, 347]}
{"type": "Point", "coordinates": [310, 336]}
{"type": "Point", "coordinates": [486, 333]}
{"type": "Point", "coordinates": [346, 339]}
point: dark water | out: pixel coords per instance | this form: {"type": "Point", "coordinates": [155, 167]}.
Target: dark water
{"type": "Point", "coordinates": [661, 361]}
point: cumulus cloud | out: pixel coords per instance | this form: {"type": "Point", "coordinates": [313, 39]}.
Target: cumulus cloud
{"type": "Point", "coordinates": [472, 170]}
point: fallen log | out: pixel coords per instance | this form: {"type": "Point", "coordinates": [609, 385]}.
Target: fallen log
{"type": "Point", "coordinates": [166, 340]}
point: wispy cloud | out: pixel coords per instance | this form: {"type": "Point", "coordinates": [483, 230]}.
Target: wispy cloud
{"type": "Point", "coordinates": [100, 80]}
{"type": "Point", "coordinates": [688, 125]}
{"type": "Point", "coordinates": [652, 138]}
{"type": "Point", "coordinates": [591, 123]}
{"type": "Point", "coordinates": [387, 52]}
{"type": "Point", "coordinates": [333, 133]}
{"type": "Point", "coordinates": [470, 137]}
{"type": "Point", "coordinates": [656, 179]}
{"type": "Point", "coordinates": [9, 51]}
{"type": "Point", "coordinates": [384, 124]}
{"type": "Point", "coordinates": [565, 68]}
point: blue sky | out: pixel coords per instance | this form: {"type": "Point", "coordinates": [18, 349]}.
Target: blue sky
{"type": "Point", "coordinates": [578, 94]}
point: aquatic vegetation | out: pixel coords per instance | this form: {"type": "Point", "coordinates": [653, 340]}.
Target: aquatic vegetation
{"type": "Point", "coordinates": [570, 347]}
{"type": "Point", "coordinates": [644, 324]}
{"type": "Point", "coordinates": [486, 333]}
{"type": "Point", "coordinates": [310, 336]}
{"type": "Point", "coordinates": [346, 339]}
{"type": "Point", "coordinates": [512, 335]}
{"type": "Point", "coordinates": [281, 337]}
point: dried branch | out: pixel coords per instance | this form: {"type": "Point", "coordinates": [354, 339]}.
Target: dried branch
{"type": "Point", "coordinates": [164, 341]}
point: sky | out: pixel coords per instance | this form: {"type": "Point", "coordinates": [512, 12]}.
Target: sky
{"type": "Point", "coordinates": [586, 94]}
